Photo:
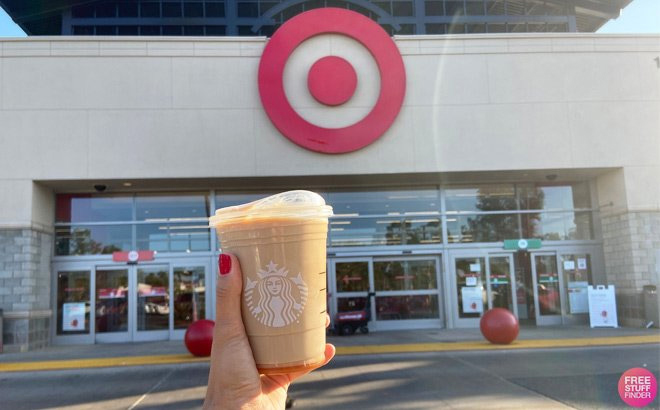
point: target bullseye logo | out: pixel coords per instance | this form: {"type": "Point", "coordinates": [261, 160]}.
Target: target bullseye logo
{"type": "Point", "coordinates": [331, 80]}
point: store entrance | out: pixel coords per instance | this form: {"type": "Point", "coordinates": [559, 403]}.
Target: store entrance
{"type": "Point", "coordinates": [404, 291]}
{"type": "Point", "coordinates": [551, 287]}
{"type": "Point", "coordinates": [528, 284]}
{"type": "Point", "coordinates": [123, 303]}
{"type": "Point", "coordinates": [482, 282]}
{"type": "Point", "coordinates": [538, 288]}
{"type": "Point", "coordinates": [132, 303]}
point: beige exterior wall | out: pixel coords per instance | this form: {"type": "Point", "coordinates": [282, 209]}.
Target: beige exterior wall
{"type": "Point", "coordinates": [90, 109]}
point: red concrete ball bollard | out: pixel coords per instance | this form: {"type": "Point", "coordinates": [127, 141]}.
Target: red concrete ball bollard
{"type": "Point", "coordinates": [199, 337]}
{"type": "Point", "coordinates": [499, 326]}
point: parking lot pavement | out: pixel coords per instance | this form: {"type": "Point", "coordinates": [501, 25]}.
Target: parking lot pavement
{"type": "Point", "coordinates": [583, 378]}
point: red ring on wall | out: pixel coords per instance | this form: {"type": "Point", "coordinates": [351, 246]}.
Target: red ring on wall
{"type": "Point", "coordinates": [331, 21]}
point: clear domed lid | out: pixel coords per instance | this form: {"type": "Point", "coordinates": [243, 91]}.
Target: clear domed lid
{"type": "Point", "coordinates": [290, 204]}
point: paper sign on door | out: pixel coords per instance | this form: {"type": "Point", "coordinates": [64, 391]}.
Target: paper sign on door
{"type": "Point", "coordinates": [582, 263]}
{"type": "Point", "coordinates": [472, 299]}
{"type": "Point", "coordinates": [73, 317]}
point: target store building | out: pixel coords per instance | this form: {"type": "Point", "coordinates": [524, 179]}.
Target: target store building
{"type": "Point", "coordinates": [466, 172]}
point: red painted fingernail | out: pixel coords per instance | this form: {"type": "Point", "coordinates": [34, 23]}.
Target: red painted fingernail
{"type": "Point", "coordinates": [224, 262]}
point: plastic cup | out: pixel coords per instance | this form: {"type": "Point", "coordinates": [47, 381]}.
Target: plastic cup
{"type": "Point", "coordinates": [280, 242]}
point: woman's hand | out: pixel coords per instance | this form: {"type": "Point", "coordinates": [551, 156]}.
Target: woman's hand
{"type": "Point", "coordinates": [234, 382]}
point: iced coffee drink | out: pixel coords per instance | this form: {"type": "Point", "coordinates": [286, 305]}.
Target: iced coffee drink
{"type": "Point", "coordinates": [280, 242]}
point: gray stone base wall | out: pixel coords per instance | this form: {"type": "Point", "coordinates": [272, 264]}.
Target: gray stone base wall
{"type": "Point", "coordinates": [630, 309]}
{"type": "Point", "coordinates": [22, 335]}
{"type": "Point", "coordinates": [25, 288]}
{"type": "Point", "coordinates": [631, 242]}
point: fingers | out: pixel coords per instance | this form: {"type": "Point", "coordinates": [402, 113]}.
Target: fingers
{"type": "Point", "coordinates": [330, 352]}
{"type": "Point", "coordinates": [228, 300]}
{"type": "Point", "coordinates": [327, 320]}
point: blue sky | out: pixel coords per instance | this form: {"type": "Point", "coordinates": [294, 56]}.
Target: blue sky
{"type": "Point", "coordinates": [641, 16]}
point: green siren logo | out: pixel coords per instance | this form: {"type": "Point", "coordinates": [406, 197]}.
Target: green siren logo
{"type": "Point", "coordinates": [278, 300]}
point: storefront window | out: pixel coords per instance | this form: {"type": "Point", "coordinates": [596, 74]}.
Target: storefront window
{"type": "Point", "coordinates": [421, 230]}
{"type": "Point", "coordinates": [364, 232]}
{"type": "Point", "coordinates": [180, 223]}
{"type": "Point", "coordinates": [558, 226]}
{"type": "Point", "coordinates": [373, 218]}
{"type": "Point", "coordinates": [92, 239]}
{"type": "Point", "coordinates": [73, 304]}
{"type": "Point", "coordinates": [189, 295]}
{"type": "Point", "coordinates": [481, 198]}
{"type": "Point", "coordinates": [384, 231]}
{"type": "Point", "coordinates": [78, 208]}
{"type": "Point", "coordinates": [556, 197]}
{"type": "Point", "coordinates": [482, 227]}
{"type": "Point", "coordinates": [391, 203]}
{"type": "Point", "coordinates": [174, 237]}
{"type": "Point", "coordinates": [171, 207]}
{"type": "Point", "coordinates": [405, 275]}
{"type": "Point", "coordinates": [475, 214]}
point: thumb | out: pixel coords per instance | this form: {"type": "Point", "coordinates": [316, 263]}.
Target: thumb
{"type": "Point", "coordinates": [228, 297]}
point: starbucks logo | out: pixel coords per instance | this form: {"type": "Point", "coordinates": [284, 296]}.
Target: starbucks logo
{"type": "Point", "coordinates": [275, 299]}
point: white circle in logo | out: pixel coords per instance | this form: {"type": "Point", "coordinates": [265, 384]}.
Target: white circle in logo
{"type": "Point", "coordinates": [274, 299]}
{"type": "Point", "coordinates": [522, 244]}
{"type": "Point", "coordinates": [133, 256]}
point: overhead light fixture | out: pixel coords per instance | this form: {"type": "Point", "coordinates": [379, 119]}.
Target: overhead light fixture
{"type": "Point", "coordinates": [127, 184]}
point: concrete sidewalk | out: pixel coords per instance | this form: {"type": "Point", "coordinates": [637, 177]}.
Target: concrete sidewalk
{"type": "Point", "coordinates": [425, 340]}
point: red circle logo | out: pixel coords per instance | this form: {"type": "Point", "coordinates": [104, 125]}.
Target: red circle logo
{"type": "Point", "coordinates": [331, 80]}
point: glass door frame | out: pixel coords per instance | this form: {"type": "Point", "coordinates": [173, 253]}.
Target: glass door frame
{"type": "Point", "coordinates": [209, 284]}
{"type": "Point", "coordinates": [149, 335]}
{"type": "Point", "coordinates": [484, 254]}
{"type": "Point", "coordinates": [547, 320]}
{"type": "Point", "coordinates": [73, 267]}
{"type": "Point", "coordinates": [372, 293]}
{"type": "Point", "coordinates": [332, 285]}
{"type": "Point", "coordinates": [132, 334]}
{"type": "Point", "coordinates": [512, 279]}
{"type": "Point", "coordinates": [113, 337]}
{"type": "Point", "coordinates": [453, 285]}
{"type": "Point", "coordinates": [408, 323]}
{"type": "Point", "coordinates": [597, 277]}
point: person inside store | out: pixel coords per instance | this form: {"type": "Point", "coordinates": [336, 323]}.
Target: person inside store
{"type": "Point", "coordinates": [234, 382]}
